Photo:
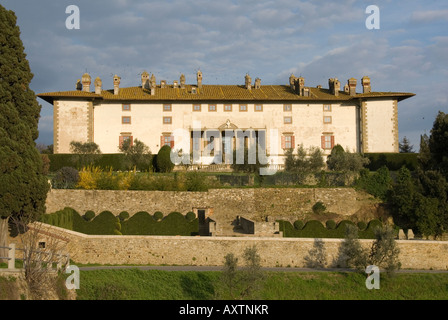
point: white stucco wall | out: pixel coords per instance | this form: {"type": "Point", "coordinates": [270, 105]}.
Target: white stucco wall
{"type": "Point", "coordinates": [72, 123]}
{"type": "Point", "coordinates": [380, 126]}
{"type": "Point", "coordinates": [147, 122]}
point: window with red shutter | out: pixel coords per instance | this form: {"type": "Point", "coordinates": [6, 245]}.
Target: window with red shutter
{"type": "Point", "coordinates": [322, 142]}
{"type": "Point", "coordinates": [283, 142]}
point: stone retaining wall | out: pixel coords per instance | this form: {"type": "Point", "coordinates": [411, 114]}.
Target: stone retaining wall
{"type": "Point", "coordinates": [210, 251]}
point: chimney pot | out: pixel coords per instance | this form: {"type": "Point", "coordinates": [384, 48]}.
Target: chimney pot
{"type": "Point", "coordinates": [248, 82]}
{"type": "Point", "coordinates": [199, 78]}
{"type": "Point", "coordinates": [117, 81]}
{"type": "Point", "coordinates": [365, 81]}
{"type": "Point", "coordinates": [352, 86]}
{"type": "Point", "coordinates": [86, 81]}
{"type": "Point", "coordinates": [257, 83]}
{"type": "Point", "coordinates": [98, 85]}
{"type": "Point", "coordinates": [145, 80]}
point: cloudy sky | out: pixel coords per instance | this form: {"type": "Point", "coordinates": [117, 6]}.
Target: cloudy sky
{"type": "Point", "coordinates": [227, 39]}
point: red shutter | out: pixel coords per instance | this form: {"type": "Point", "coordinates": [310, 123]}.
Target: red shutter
{"type": "Point", "coordinates": [322, 141]}
{"type": "Point", "coordinates": [332, 142]}
{"type": "Point", "coordinates": [293, 143]}
{"type": "Point", "coordinates": [120, 141]}
{"type": "Point", "coordinates": [161, 141]}
{"type": "Point", "coordinates": [172, 142]}
{"type": "Point", "coordinates": [283, 142]}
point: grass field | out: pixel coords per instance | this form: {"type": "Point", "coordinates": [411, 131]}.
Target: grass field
{"type": "Point", "coordinates": [134, 284]}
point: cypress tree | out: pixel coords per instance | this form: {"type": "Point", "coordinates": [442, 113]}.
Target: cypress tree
{"type": "Point", "coordinates": [23, 188]}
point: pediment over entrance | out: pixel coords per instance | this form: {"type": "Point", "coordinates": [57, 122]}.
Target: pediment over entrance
{"type": "Point", "coordinates": [227, 125]}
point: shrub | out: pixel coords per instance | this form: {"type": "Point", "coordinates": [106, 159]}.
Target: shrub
{"type": "Point", "coordinates": [89, 215]}
{"type": "Point", "coordinates": [298, 224]}
{"type": "Point", "coordinates": [190, 216]}
{"type": "Point", "coordinates": [163, 160]}
{"type": "Point", "coordinates": [361, 225]}
{"type": "Point", "coordinates": [319, 207]}
{"type": "Point", "coordinates": [65, 178]}
{"type": "Point", "coordinates": [117, 229]}
{"type": "Point", "coordinates": [123, 215]}
{"type": "Point", "coordinates": [158, 216]}
{"type": "Point", "coordinates": [45, 164]}
{"type": "Point", "coordinates": [330, 224]}
{"type": "Point", "coordinates": [314, 229]}
{"type": "Point", "coordinates": [89, 177]}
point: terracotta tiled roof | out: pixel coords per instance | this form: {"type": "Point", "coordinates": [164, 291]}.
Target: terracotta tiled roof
{"type": "Point", "coordinates": [217, 93]}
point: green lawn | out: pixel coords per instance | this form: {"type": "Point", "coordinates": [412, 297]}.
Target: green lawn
{"type": "Point", "coordinates": [188, 285]}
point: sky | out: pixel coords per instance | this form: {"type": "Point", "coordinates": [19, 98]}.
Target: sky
{"type": "Point", "coordinates": [226, 39]}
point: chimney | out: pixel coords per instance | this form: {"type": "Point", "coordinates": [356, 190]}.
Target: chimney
{"type": "Point", "coordinates": [352, 86]}
{"type": "Point", "coordinates": [145, 80]}
{"type": "Point", "coordinates": [86, 81]}
{"type": "Point", "coordinates": [292, 80]}
{"type": "Point", "coordinates": [365, 81]}
{"type": "Point", "coordinates": [346, 89]}
{"type": "Point", "coordinates": [199, 78]}
{"type": "Point", "coordinates": [175, 84]}
{"type": "Point", "coordinates": [162, 83]}
{"type": "Point", "coordinates": [334, 86]}
{"type": "Point", "coordinates": [117, 80]}
{"type": "Point", "coordinates": [248, 82]}
{"type": "Point", "coordinates": [300, 85]}
{"type": "Point", "coordinates": [98, 84]}
{"type": "Point", "coordinates": [152, 81]}
{"type": "Point", "coordinates": [182, 81]}
{"type": "Point", "coordinates": [257, 83]}
{"type": "Point", "coordinates": [78, 85]}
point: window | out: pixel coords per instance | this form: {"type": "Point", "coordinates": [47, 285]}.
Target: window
{"type": "Point", "coordinates": [287, 120]}
{"type": "Point", "coordinates": [166, 107]}
{"type": "Point", "coordinates": [287, 107]}
{"type": "Point", "coordinates": [126, 120]}
{"type": "Point", "coordinates": [212, 107]}
{"type": "Point", "coordinates": [124, 138]}
{"type": "Point", "coordinates": [243, 107]}
{"type": "Point", "coordinates": [227, 107]}
{"type": "Point", "coordinates": [167, 140]}
{"type": "Point", "coordinates": [327, 141]}
{"type": "Point", "coordinates": [288, 142]}
{"type": "Point", "coordinates": [258, 107]}
{"type": "Point", "coordinates": [167, 120]}
{"type": "Point", "coordinates": [126, 107]}
{"type": "Point", "coordinates": [327, 107]}
{"type": "Point", "coordinates": [197, 107]}
{"type": "Point", "coordinates": [327, 119]}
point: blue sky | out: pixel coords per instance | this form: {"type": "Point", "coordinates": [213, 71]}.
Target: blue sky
{"type": "Point", "coordinates": [227, 39]}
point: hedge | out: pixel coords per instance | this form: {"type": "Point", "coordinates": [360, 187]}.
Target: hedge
{"type": "Point", "coordinates": [315, 229]}
{"type": "Point", "coordinates": [115, 161]}
{"type": "Point", "coordinates": [393, 161]}
{"type": "Point", "coordinates": [105, 223]}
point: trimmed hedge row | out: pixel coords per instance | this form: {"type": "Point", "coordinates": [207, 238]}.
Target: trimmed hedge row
{"type": "Point", "coordinates": [105, 161]}
{"type": "Point", "coordinates": [315, 229]}
{"type": "Point", "coordinates": [142, 223]}
{"type": "Point", "coordinates": [393, 161]}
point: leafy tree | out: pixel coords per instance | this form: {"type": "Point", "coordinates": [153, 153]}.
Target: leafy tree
{"type": "Point", "coordinates": [316, 257]}
{"type": "Point", "coordinates": [402, 199]}
{"type": "Point", "coordinates": [405, 146]}
{"type": "Point", "coordinates": [138, 155]}
{"type": "Point", "coordinates": [351, 253]}
{"type": "Point", "coordinates": [377, 184]}
{"type": "Point", "coordinates": [345, 161]}
{"type": "Point", "coordinates": [23, 188]}
{"type": "Point", "coordinates": [424, 156]}
{"type": "Point", "coordinates": [384, 251]}
{"type": "Point", "coordinates": [85, 152]}
{"type": "Point", "coordinates": [438, 142]}
{"type": "Point", "coordinates": [163, 160]}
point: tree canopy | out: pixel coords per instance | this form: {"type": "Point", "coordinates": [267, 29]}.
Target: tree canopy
{"type": "Point", "coordinates": [23, 188]}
